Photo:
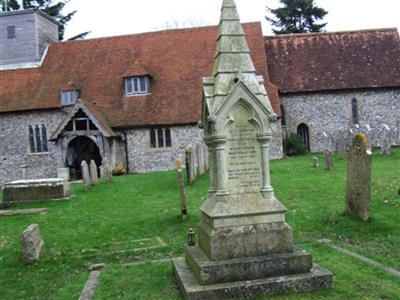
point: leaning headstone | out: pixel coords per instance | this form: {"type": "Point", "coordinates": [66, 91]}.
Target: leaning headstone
{"type": "Point", "coordinates": [244, 247]}
{"type": "Point", "coordinates": [385, 140]}
{"type": "Point", "coordinates": [87, 181]}
{"type": "Point", "coordinates": [107, 169]}
{"type": "Point", "coordinates": [93, 173]}
{"type": "Point", "coordinates": [315, 162]}
{"type": "Point", "coordinates": [358, 187]}
{"type": "Point", "coordinates": [31, 243]}
{"type": "Point", "coordinates": [328, 160]}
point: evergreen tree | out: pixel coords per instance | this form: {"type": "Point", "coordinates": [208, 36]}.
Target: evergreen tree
{"type": "Point", "coordinates": [50, 7]}
{"type": "Point", "coordinates": [297, 16]}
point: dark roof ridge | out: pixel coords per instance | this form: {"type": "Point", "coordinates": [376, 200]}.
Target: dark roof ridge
{"type": "Point", "coordinates": [150, 33]}
{"type": "Point", "coordinates": [388, 29]}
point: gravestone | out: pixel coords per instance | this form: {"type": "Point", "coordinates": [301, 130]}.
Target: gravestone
{"type": "Point", "coordinates": [245, 247]}
{"type": "Point", "coordinates": [31, 244]}
{"type": "Point", "coordinates": [199, 156]}
{"type": "Point", "coordinates": [328, 160]}
{"type": "Point", "coordinates": [341, 144]}
{"type": "Point", "coordinates": [24, 169]}
{"type": "Point", "coordinates": [358, 187]}
{"type": "Point", "coordinates": [63, 173]}
{"type": "Point", "coordinates": [107, 169]}
{"type": "Point", "coordinates": [87, 181]}
{"type": "Point", "coordinates": [93, 173]}
{"type": "Point", "coordinates": [315, 162]}
{"type": "Point", "coordinates": [385, 140]}
{"type": "Point", "coordinates": [182, 193]}
{"type": "Point", "coordinates": [33, 190]}
{"type": "Point", "coordinates": [327, 142]}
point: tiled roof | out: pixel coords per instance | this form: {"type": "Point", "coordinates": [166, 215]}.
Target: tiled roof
{"type": "Point", "coordinates": [334, 61]}
{"type": "Point", "coordinates": [176, 59]}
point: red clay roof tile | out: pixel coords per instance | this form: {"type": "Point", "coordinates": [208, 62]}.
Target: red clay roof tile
{"type": "Point", "coordinates": [334, 61]}
{"type": "Point", "coordinates": [176, 59]}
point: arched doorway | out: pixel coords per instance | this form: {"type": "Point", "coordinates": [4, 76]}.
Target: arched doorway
{"type": "Point", "coordinates": [303, 132]}
{"type": "Point", "coordinates": [79, 149]}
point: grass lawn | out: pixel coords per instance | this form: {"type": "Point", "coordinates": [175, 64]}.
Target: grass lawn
{"type": "Point", "coordinates": [136, 218]}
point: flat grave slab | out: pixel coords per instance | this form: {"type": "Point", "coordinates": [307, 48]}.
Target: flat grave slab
{"type": "Point", "coordinates": [33, 190]}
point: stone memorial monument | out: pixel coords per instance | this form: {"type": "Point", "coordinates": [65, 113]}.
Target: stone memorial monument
{"type": "Point", "coordinates": [31, 244]}
{"type": "Point", "coordinates": [245, 246]}
{"type": "Point", "coordinates": [358, 187]}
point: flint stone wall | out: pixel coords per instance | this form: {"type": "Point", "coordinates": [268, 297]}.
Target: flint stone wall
{"type": "Point", "coordinates": [143, 158]}
{"type": "Point", "coordinates": [331, 112]}
{"type": "Point", "coordinates": [15, 152]}
{"type": "Point", "coordinates": [14, 146]}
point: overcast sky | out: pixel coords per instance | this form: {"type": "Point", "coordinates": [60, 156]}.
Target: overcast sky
{"type": "Point", "coordinates": [117, 17]}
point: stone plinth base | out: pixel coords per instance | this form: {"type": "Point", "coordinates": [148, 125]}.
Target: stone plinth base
{"type": "Point", "coordinates": [210, 272]}
{"type": "Point", "coordinates": [193, 290]}
{"type": "Point", "coordinates": [22, 191]}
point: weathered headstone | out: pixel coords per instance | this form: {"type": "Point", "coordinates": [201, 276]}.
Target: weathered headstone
{"type": "Point", "coordinates": [199, 156]}
{"type": "Point", "coordinates": [341, 144]}
{"type": "Point", "coordinates": [244, 245]}
{"type": "Point", "coordinates": [315, 162]}
{"type": "Point", "coordinates": [189, 165]}
{"type": "Point", "coordinates": [182, 194]}
{"type": "Point", "coordinates": [358, 187]}
{"type": "Point", "coordinates": [385, 140]}
{"type": "Point", "coordinates": [327, 142]}
{"type": "Point", "coordinates": [87, 181]}
{"type": "Point", "coordinates": [63, 173]}
{"type": "Point", "coordinates": [93, 173]}
{"type": "Point", "coordinates": [31, 243]}
{"type": "Point", "coordinates": [328, 160]}
{"type": "Point", "coordinates": [24, 169]}
{"type": "Point", "coordinates": [22, 191]}
{"type": "Point", "coordinates": [205, 154]}
{"type": "Point", "coordinates": [107, 170]}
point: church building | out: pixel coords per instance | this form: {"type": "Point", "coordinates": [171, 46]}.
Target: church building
{"type": "Point", "coordinates": [136, 99]}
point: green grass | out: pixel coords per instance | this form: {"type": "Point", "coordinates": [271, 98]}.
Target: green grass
{"type": "Point", "coordinates": [84, 230]}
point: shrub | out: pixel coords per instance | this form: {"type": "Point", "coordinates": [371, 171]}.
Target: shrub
{"type": "Point", "coordinates": [119, 170]}
{"type": "Point", "coordinates": [293, 145]}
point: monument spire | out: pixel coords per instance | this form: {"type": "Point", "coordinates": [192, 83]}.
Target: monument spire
{"type": "Point", "coordinates": [232, 54]}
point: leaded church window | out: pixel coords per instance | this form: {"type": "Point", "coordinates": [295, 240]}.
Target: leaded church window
{"type": "Point", "coordinates": [38, 138]}
{"type": "Point", "coordinates": [160, 138]}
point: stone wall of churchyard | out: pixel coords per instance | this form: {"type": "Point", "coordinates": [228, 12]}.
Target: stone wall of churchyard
{"type": "Point", "coordinates": [15, 150]}
{"type": "Point", "coordinates": [332, 112]}
{"type": "Point", "coordinates": [143, 158]}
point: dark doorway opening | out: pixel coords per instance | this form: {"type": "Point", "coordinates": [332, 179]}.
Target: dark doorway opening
{"type": "Point", "coordinates": [81, 149]}
{"type": "Point", "coordinates": [303, 132]}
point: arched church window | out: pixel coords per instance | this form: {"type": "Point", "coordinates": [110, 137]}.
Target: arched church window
{"type": "Point", "coordinates": [160, 138]}
{"type": "Point", "coordinates": [38, 138]}
{"type": "Point", "coordinates": [283, 116]}
{"type": "Point", "coordinates": [304, 134]}
{"type": "Point", "coordinates": [32, 140]}
{"type": "Point", "coordinates": [44, 139]}
{"type": "Point", "coordinates": [354, 110]}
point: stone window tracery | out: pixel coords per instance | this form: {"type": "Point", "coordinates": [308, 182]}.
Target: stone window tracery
{"type": "Point", "coordinates": [38, 139]}
{"type": "Point", "coordinates": [160, 138]}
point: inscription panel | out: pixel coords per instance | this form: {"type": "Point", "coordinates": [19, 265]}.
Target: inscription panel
{"type": "Point", "coordinates": [243, 159]}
